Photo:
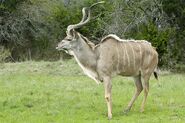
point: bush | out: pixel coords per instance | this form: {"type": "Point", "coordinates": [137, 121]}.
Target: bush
{"type": "Point", "coordinates": [31, 29]}
{"type": "Point", "coordinates": [4, 54]}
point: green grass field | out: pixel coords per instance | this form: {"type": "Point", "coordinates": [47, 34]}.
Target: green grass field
{"type": "Point", "coordinates": [58, 92]}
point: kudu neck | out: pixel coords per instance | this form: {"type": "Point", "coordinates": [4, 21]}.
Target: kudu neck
{"type": "Point", "coordinates": [85, 54]}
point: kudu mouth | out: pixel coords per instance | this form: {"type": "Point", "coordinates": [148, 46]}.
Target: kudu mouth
{"type": "Point", "coordinates": [57, 48]}
{"type": "Point", "coordinates": [61, 48]}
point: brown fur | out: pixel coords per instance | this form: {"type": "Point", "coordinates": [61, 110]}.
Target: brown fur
{"type": "Point", "coordinates": [113, 57]}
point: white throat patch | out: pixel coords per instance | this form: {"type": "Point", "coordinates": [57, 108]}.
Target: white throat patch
{"type": "Point", "coordinates": [92, 74]}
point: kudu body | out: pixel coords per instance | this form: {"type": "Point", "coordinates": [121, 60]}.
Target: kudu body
{"type": "Point", "coordinates": [112, 56]}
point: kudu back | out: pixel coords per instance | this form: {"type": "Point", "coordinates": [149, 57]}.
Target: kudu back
{"type": "Point", "coordinates": [112, 56]}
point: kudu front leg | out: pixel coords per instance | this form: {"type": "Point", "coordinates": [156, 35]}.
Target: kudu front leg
{"type": "Point", "coordinates": [108, 87]}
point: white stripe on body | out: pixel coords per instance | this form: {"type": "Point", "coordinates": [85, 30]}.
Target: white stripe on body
{"type": "Point", "coordinates": [128, 59]}
{"type": "Point", "coordinates": [118, 58]}
{"type": "Point", "coordinates": [140, 53]}
{"type": "Point", "coordinates": [123, 54]}
{"type": "Point", "coordinates": [133, 54]}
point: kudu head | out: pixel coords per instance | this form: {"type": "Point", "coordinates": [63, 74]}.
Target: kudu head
{"type": "Point", "coordinates": [75, 40]}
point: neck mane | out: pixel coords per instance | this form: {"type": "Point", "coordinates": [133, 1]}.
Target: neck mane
{"type": "Point", "coordinates": [122, 40]}
{"type": "Point", "coordinates": [89, 43]}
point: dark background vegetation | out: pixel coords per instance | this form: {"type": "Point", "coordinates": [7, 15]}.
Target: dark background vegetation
{"type": "Point", "coordinates": [30, 29]}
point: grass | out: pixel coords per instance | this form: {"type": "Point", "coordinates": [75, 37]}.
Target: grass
{"type": "Point", "coordinates": [58, 92]}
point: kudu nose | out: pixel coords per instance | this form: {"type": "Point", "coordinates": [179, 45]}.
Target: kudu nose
{"type": "Point", "coordinates": [60, 45]}
{"type": "Point", "coordinates": [57, 47]}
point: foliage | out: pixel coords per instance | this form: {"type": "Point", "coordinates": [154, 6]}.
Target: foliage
{"type": "Point", "coordinates": [28, 32]}
{"type": "Point", "coordinates": [158, 38]}
{"type": "Point", "coordinates": [176, 46]}
{"type": "Point", "coordinates": [30, 29]}
{"type": "Point", "coordinates": [4, 54]}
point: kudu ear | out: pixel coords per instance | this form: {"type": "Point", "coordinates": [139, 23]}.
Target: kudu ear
{"type": "Point", "coordinates": [75, 34]}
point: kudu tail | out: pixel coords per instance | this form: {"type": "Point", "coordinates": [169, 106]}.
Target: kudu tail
{"type": "Point", "coordinates": [156, 74]}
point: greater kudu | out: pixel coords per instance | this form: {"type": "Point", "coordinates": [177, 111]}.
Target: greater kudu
{"type": "Point", "coordinates": [112, 56]}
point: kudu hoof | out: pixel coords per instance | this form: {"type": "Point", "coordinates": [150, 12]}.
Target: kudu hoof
{"type": "Point", "coordinates": [110, 117]}
{"type": "Point", "coordinates": [126, 111]}
{"type": "Point", "coordinates": [141, 110]}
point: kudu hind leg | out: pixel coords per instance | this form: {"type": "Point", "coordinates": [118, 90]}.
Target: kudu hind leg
{"type": "Point", "coordinates": [146, 90]}
{"type": "Point", "coordinates": [108, 87]}
{"type": "Point", "coordinates": [138, 90]}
